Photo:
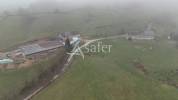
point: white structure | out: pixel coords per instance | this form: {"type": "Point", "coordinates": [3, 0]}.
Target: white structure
{"type": "Point", "coordinates": [147, 34]}
{"type": "Point", "coordinates": [143, 37]}
{"type": "Point", "coordinates": [6, 61]}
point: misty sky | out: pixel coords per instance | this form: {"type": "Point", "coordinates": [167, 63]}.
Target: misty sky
{"type": "Point", "coordinates": [6, 4]}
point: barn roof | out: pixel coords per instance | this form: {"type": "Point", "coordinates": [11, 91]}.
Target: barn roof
{"type": "Point", "coordinates": [36, 48]}
{"type": "Point", "coordinates": [31, 49]}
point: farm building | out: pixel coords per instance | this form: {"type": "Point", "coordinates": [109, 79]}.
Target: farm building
{"type": "Point", "coordinates": [148, 31]}
{"type": "Point", "coordinates": [173, 36]}
{"type": "Point", "coordinates": [6, 61]}
{"type": "Point", "coordinates": [41, 47]}
{"type": "Point", "coordinates": [147, 34]}
{"type": "Point", "coordinates": [64, 35]}
{"type": "Point", "coordinates": [35, 50]}
{"type": "Point", "coordinates": [3, 56]}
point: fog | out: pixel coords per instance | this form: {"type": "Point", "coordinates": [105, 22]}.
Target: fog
{"type": "Point", "coordinates": [172, 4]}
{"type": "Point", "coordinates": [12, 4]}
{"type": "Point", "coordinates": [87, 16]}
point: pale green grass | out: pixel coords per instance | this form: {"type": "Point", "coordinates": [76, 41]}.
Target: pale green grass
{"type": "Point", "coordinates": [113, 76]}
{"type": "Point", "coordinates": [13, 81]}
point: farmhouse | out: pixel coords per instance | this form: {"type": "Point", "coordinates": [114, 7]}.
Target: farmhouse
{"type": "Point", "coordinates": [69, 35]}
{"type": "Point", "coordinates": [147, 34]}
{"type": "Point", "coordinates": [173, 36]}
{"type": "Point", "coordinates": [35, 50]}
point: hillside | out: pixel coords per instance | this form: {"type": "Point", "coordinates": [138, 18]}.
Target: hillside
{"type": "Point", "coordinates": [114, 76]}
{"type": "Point", "coordinates": [134, 70]}
{"type": "Point", "coordinates": [26, 24]}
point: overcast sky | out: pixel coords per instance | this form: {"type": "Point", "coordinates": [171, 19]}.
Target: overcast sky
{"type": "Point", "coordinates": [5, 4]}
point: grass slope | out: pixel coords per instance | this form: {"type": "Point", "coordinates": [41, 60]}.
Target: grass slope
{"type": "Point", "coordinates": [113, 76]}
{"type": "Point", "coordinates": [12, 82]}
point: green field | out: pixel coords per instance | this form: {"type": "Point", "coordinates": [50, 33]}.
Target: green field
{"type": "Point", "coordinates": [110, 76]}
{"type": "Point", "coordinates": [114, 77]}
{"type": "Point", "coordinates": [86, 20]}
{"type": "Point", "coordinates": [13, 82]}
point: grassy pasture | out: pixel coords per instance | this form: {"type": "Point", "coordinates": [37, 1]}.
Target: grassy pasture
{"type": "Point", "coordinates": [113, 76]}
{"type": "Point", "coordinates": [91, 21]}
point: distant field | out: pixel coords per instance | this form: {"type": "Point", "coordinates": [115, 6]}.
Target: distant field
{"type": "Point", "coordinates": [87, 20]}
{"type": "Point", "coordinates": [114, 77]}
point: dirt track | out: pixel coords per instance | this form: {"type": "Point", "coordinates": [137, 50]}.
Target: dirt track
{"type": "Point", "coordinates": [60, 71]}
{"type": "Point", "coordinates": [65, 66]}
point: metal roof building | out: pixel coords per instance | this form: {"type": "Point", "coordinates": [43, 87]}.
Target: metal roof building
{"type": "Point", "coordinates": [37, 48]}
{"type": "Point", "coordinates": [31, 49]}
